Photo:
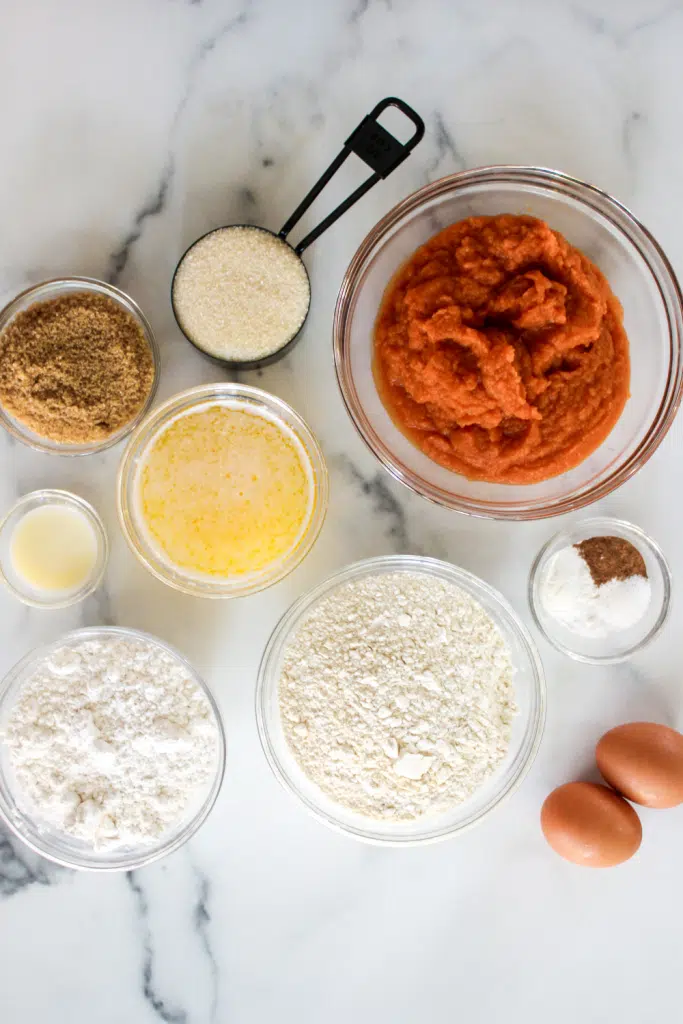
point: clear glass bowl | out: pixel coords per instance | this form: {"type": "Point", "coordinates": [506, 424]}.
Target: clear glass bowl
{"type": "Point", "coordinates": [57, 289]}
{"type": "Point", "coordinates": [14, 582]}
{"type": "Point", "coordinates": [44, 838]}
{"type": "Point", "coordinates": [134, 458]}
{"type": "Point", "coordinates": [618, 646]}
{"type": "Point", "coordinates": [636, 268]}
{"type": "Point", "coordinates": [529, 684]}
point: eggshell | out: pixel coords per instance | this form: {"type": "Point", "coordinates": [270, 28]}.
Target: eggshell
{"type": "Point", "coordinates": [590, 824]}
{"type": "Point", "coordinates": [644, 761]}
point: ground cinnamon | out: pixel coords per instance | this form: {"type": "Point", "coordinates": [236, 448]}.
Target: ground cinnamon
{"type": "Point", "coordinates": [75, 369]}
{"type": "Point", "coordinates": [611, 558]}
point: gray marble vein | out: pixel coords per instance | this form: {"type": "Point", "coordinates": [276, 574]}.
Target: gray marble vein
{"type": "Point", "coordinates": [362, 7]}
{"type": "Point", "coordinates": [165, 1012]}
{"type": "Point", "coordinates": [210, 43]}
{"type": "Point", "coordinates": [20, 868]}
{"type": "Point", "coordinates": [184, 921]}
{"type": "Point", "coordinates": [384, 504]}
{"type": "Point", "coordinates": [202, 920]}
{"type": "Point", "coordinates": [446, 149]}
{"type": "Point", "coordinates": [593, 22]}
{"type": "Point", "coordinates": [152, 207]}
{"type": "Point", "coordinates": [156, 203]}
{"type": "Point", "coordinates": [622, 35]}
{"type": "Point", "coordinates": [632, 126]}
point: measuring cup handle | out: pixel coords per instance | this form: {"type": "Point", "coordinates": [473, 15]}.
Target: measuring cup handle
{"type": "Point", "coordinates": [377, 148]}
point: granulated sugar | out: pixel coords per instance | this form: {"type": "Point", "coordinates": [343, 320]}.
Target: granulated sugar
{"type": "Point", "coordinates": [241, 293]}
{"type": "Point", "coordinates": [396, 695]}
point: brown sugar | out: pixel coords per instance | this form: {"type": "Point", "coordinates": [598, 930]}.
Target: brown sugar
{"type": "Point", "coordinates": [75, 369]}
{"type": "Point", "coordinates": [611, 558]}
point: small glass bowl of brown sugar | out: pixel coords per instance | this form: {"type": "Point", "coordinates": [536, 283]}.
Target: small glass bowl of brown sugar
{"type": "Point", "coordinates": [79, 366]}
{"type": "Point", "coordinates": [600, 590]}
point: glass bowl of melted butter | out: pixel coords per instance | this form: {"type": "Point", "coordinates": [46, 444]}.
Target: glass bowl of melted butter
{"type": "Point", "coordinates": [222, 491]}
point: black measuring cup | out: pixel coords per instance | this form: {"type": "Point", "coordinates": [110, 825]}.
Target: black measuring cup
{"type": "Point", "coordinates": [376, 147]}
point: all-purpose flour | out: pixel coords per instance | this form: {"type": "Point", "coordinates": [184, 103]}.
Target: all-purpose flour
{"type": "Point", "coordinates": [396, 695]}
{"type": "Point", "coordinates": [111, 740]}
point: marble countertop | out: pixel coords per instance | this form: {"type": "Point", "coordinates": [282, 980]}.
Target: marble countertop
{"type": "Point", "coordinates": [131, 127]}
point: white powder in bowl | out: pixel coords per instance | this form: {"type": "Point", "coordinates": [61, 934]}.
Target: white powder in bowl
{"type": "Point", "coordinates": [241, 293]}
{"type": "Point", "coordinates": [568, 593]}
{"type": "Point", "coordinates": [112, 741]}
{"type": "Point", "coordinates": [396, 695]}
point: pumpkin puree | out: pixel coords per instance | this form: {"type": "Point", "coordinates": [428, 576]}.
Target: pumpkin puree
{"type": "Point", "coordinates": [500, 351]}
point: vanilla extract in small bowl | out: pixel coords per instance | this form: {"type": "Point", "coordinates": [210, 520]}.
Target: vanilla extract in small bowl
{"type": "Point", "coordinates": [53, 549]}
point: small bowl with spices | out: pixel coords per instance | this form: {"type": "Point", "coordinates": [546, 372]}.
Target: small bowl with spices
{"type": "Point", "coordinates": [79, 366]}
{"type": "Point", "coordinates": [600, 590]}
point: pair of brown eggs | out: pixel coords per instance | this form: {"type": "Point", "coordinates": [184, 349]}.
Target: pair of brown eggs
{"type": "Point", "coordinates": [591, 824]}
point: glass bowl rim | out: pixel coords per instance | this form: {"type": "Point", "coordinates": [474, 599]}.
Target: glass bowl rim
{"type": "Point", "coordinates": [153, 852]}
{"type": "Point", "coordinates": [598, 522]}
{"type": "Point", "coordinates": [596, 201]}
{"type": "Point", "coordinates": [75, 501]}
{"type": "Point", "coordinates": [422, 564]}
{"type": "Point", "coordinates": [197, 396]}
{"type": "Point", "coordinates": [91, 285]}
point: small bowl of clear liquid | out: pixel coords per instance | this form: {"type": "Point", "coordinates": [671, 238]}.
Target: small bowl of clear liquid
{"type": "Point", "coordinates": [53, 549]}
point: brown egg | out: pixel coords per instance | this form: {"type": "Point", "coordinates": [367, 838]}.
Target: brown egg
{"type": "Point", "coordinates": [590, 824]}
{"type": "Point", "coordinates": [644, 761]}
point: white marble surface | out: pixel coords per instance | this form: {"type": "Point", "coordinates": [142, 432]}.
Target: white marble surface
{"type": "Point", "coordinates": [131, 126]}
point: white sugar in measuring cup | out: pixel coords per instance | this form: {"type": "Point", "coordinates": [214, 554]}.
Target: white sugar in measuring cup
{"type": "Point", "coordinates": [282, 275]}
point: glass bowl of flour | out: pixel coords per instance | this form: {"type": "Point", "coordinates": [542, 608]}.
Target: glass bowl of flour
{"type": "Point", "coordinates": [401, 700]}
{"type": "Point", "coordinates": [112, 749]}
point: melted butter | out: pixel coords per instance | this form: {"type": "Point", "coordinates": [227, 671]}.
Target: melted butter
{"type": "Point", "coordinates": [225, 492]}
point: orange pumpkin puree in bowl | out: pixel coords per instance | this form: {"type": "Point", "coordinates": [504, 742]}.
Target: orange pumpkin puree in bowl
{"type": "Point", "coordinates": [500, 351]}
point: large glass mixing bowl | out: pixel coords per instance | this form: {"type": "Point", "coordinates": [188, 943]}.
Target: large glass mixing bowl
{"type": "Point", "coordinates": [639, 274]}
